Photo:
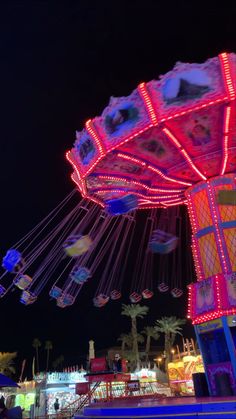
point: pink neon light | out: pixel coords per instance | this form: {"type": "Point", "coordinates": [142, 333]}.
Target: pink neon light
{"type": "Point", "coordinates": [102, 191]}
{"type": "Point", "coordinates": [133, 159]}
{"type": "Point", "coordinates": [225, 65]}
{"type": "Point", "coordinates": [190, 292]}
{"type": "Point", "coordinates": [196, 108]}
{"type": "Point", "coordinates": [213, 315]}
{"type": "Point", "coordinates": [225, 139]}
{"type": "Point", "coordinates": [148, 103]}
{"type": "Point", "coordinates": [81, 184]}
{"type": "Point", "coordinates": [215, 222]}
{"type": "Point", "coordinates": [173, 202]}
{"type": "Point", "coordinates": [183, 151]}
{"type": "Point", "coordinates": [92, 167]}
{"type": "Point", "coordinates": [217, 291]}
{"type": "Point", "coordinates": [97, 201]}
{"type": "Point", "coordinates": [94, 135]}
{"type": "Point", "coordinates": [145, 206]}
{"type": "Point", "coordinates": [84, 193]}
{"type": "Point", "coordinates": [152, 168]}
{"type": "Point", "coordinates": [135, 182]}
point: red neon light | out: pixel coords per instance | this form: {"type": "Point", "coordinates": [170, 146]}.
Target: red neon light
{"type": "Point", "coordinates": [97, 201]}
{"type": "Point", "coordinates": [81, 184]}
{"type": "Point", "coordinates": [213, 315]}
{"type": "Point", "coordinates": [225, 65]}
{"type": "Point", "coordinates": [135, 182]}
{"type": "Point", "coordinates": [102, 191]}
{"type": "Point", "coordinates": [131, 137]}
{"type": "Point", "coordinates": [183, 151]}
{"type": "Point", "coordinates": [94, 135]}
{"type": "Point", "coordinates": [173, 202]}
{"type": "Point", "coordinates": [217, 291]}
{"type": "Point", "coordinates": [196, 108]}
{"type": "Point", "coordinates": [148, 103]}
{"type": "Point", "coordinates": [145, 206]}
{"type": "Point", "coordinates": [133, 159]}
{"type": "Point", "coordinates": [189, 312]}
{"type": "Point", "coordinates": [152, 168]}
{"type": "Point", "coordinates": [225, 139]}
{"type": "Point", "coordinates": [92, 167]}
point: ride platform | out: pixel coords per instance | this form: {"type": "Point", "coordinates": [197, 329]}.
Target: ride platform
{"type": "Point", "coordinates": [163, 408]}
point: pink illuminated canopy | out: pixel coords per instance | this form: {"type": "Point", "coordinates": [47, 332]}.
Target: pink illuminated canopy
{"type": "Point", "coordinates": [166, 136]}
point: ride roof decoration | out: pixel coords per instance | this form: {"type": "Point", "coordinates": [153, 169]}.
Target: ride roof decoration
{"type": "Point", "coordinates": [166, 136]}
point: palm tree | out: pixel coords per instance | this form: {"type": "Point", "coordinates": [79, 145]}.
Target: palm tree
{"type": "Point", "coordinates": [58, 362]}
{"type": "Point", "coordinates": [134, 311]}
{"type": "Point", "coordinates": [125, 341]}
{"type": "Point", "coordinates": [6, 362]}
{"type": "Point", "coordinates": [151, 333]}
{"type": "Point", "coordinates": [36, 345]}
{"type": "Point", "coordinates": [170, 326]}
{"type": "Point", "coordinates": [48, 348]}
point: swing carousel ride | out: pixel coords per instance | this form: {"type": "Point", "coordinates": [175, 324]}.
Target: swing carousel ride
{"type": "Point", "coordinates": [170, 145]}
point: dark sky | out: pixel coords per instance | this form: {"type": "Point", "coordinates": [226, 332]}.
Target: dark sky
{"type": "Point", "coordinates": [60, 63]}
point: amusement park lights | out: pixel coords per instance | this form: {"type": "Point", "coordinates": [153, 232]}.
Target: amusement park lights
{"type": "Point", "coordinates": [148, 103]}
{"type": "Point", "coordinates": [183, 151]}
{"type": "Point", "coordinates": [141, 184]}
{"type": "Point", "coordinates": [93, 133]}
{"type": "Point", "coordinates": [224, 60]}
{"type": "Point", "coordinates": [213, 315]}
{"type": "Point", "coordinates": [225, 138]}
{"type": "Point", "coordinates": [80, 183]}
{"type": "Point", "coordinates": [152, 168]}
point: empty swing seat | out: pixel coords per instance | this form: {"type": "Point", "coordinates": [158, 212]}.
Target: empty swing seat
{"type": "Point", "coordinates": [80, 275]}
{"type": "Point", "coordinates": [163, 287]}
{"type": "Point", "coordinates": [135, 297]}
{"type": "Point", "coordinates": [176, 292]}
{"type": "Point", "coordinates": [22, 281]}
{"type": "Point", "coordinates": [28, 298]}
{"type": "Point", "coordinates": [147, 294]}
{"type": "Point", "coordinates": [162, 242]}
{"type": "Point", "coordinates": [55, 292]}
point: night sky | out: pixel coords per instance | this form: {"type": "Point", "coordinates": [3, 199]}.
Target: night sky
{"type": "Point", "coordinates": [60, 63]}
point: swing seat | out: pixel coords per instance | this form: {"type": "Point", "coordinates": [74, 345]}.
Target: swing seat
{"type": "Point", "coordinates": [162, 242]}
{"type": "Point", "coordinates": [22, 281]}
{"type": "Point", "coordinates": [80, 275]}
{"type": "Point", "coordinates": [77, 245]}
{"type": "Point", "coordinates": [115, 295]}
{"type": "Point", "coordinates": [163, 287]}
{"type": "Point", "coordinates": [176, 292]}
{"type": "Point", "coordinates": [65, 300]}
{"type": "Point", "coordinates": [13, 261]}
{"type": "Point", "coordinates": [101, 300]}
{"type": "Point", "coordinates": [55, 292]}
{"type": "Point", "coordinates": [2, 291]}
{"type": "Point", "coordinates": [147, 294]}
{"type": "Point", "coordinates": [135, 297]}
{"type": "Point", "coordinates": [28, 298]}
